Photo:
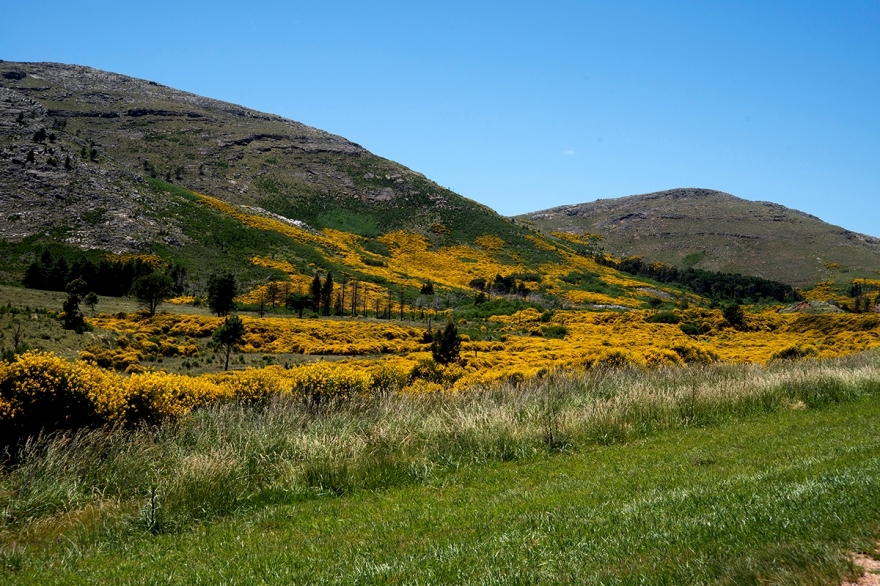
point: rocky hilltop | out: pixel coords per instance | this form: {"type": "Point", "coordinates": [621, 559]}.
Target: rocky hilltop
{"type": "Point", "coordinates": [717, 231]}
{"type": "Point", "coordinates": [77, 143]}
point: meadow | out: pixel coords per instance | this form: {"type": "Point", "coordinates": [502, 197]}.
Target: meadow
{"type": "Point", "coordinates": [336, 450]}
{"type": "Point", "coordinates": [134, 367]}
{"type": "Point", "coordinates": [701, 474]}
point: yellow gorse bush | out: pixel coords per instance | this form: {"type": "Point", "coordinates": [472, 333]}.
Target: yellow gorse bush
{"type": "Point", "coordinates": [48, 390]}
{"type": "Point", "coordinates": [41, 390]}
{"type": "Point", "coordinates": [521, 351]}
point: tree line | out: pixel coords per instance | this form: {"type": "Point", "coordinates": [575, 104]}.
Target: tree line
{"type": "Point", "coordinates": [514, 284]}
{"type": "Point", "coordinates": [713, 284]}
{"type": "Point", "coordinates": [112, 278]}
{"type": "Point", "coordinates": [865, 296]}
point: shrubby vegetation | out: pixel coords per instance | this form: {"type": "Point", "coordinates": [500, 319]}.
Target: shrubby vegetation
{"type": "Point", "coordinates": [715, 285]}
{"type": "Point", "coordinates": [274, 438]}
{"type": "Point", "coordinates": [111, 277]}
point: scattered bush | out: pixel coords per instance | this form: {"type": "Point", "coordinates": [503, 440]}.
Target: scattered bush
{"type": "Point", "coordinates": [664, 317]}
{"type": "Point", "coordinates": [554, 331]}
{"type": "Point", "coordinates": [794, 353]}
{"type": "Point", "coordinates": [692, 329]}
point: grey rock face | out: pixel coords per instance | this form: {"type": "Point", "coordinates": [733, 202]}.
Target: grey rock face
{"type": "Point", "coordinates": [109, 132]}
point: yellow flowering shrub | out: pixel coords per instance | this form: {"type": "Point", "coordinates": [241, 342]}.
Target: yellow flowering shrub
{"type": "Point", "coordinates": [271, 263]}
{"type": "Point", "coordinates": [150, 259]}
{"type": "Point", "coordinates": [44, 391]}
{"type": "Point", "coordinates": [151, 396]}
{"type": "Point", "coordinates": [268, 334]}
{"type": "Point", "coordinates": [490, 242]}
{"type": "Point", "coordinates": [825, 291]}
{"type": "Point", "coordinates": [39, 390]}
{"type": "Point", "coordinates": [182, 300]}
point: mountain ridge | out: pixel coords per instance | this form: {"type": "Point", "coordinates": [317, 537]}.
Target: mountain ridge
{"type": "Point", "coordinates": [116, 129]}
{"type": "Point", "coordinates": [718, 231]}
{"type": "Point", "coordinates": [88, 159]}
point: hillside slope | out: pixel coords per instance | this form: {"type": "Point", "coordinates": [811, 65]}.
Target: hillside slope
{"type": "Point", "coordinates": [716, 231]}
{"type": "Point", "coordinates": [75, 143]}
{"type": "Point", "coordinates": [105, 163]}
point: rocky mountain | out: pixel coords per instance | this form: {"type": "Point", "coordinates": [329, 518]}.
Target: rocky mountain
{"type": "Point", "coordinates": [99, 161]}
{"type": "Point", "coordinates": [716, 231]}
{"type": "Point", "coordinates": [76, 145]}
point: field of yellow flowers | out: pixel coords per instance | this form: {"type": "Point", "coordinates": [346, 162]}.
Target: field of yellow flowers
{"type": "Point", "coordinates": [111, 384]}
{"type": "Point", "coordinates": [41, 390]}
{"type": "Point", "coordinates": [118, 380]}
{"type": "Point", "coordinates": [519, 347]}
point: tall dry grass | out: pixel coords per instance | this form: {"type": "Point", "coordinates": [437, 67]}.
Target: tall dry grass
{"type": "Point", "coordinates": [228, 457]}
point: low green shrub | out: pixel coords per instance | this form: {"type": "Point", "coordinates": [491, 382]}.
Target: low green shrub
{"type": "Point", "coordinates": [664, 317]}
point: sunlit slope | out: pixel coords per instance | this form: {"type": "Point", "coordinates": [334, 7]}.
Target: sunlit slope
{"type": "Point", "coordinates": [79, 142]}
{"type": "Point", "coordinates": [387, 263]}
{"type": "Point", "coordinates": [716, 231]}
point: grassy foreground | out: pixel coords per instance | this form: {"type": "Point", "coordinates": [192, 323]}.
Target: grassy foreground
{"type": "Point", "coordinates": [731, 474]}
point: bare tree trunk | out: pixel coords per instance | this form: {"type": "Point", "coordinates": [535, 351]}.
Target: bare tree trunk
{"type": "Point", "coordinates": [343, 283]}
{"type": "Point", "coordinates": [354, 298]}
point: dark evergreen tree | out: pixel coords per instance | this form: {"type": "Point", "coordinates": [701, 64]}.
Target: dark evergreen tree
{"type": "Point", "coordinates": [34, 276]}
{"type": "Point", "coordinates": [297, 302]}
{"type": "Point", "coordinates": [72, 316]}
{"type": "Point", "coordinates": [228, 335]}
{"type": "Point", "coordinates": [327, 293]}
{"type": "Point", "coordinates": [58, 275]}
{"type": "Point", "coordinates": [222, 289]}
{"type": "Point", "coordinates": [315, 291]}
{"type": "Point", "coordinates": [446, 345]}
{"type": "Point", "coordinates": [177, 273]}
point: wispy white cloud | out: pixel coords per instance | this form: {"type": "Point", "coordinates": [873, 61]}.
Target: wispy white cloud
{"type": "Point", "coordinates": [569, 152]}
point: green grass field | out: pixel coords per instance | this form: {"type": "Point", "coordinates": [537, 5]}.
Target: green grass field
{"type": "Point", "coordinates": [772, 498]}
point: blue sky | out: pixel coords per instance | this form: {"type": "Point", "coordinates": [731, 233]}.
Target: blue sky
{"type": "Point", "coordinates": [522, 106]}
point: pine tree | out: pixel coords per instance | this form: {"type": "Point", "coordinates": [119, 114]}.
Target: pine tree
{"type": "Point", "coordinates": [315, 291]}
{"type": "Point", "coordinates": [73, 317]}
{"type": "Point", "coordinates": [446, 345]}
{"type": "Point", "coordinates": [222, 290]}
{"type": "Point", "coordinates": [327, 293]}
